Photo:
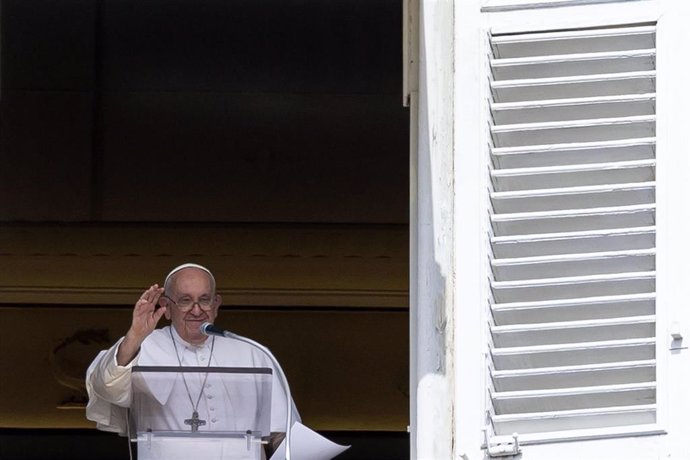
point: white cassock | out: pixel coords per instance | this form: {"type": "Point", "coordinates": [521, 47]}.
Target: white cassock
{"type": "Point", "coordinates": [222, 408]}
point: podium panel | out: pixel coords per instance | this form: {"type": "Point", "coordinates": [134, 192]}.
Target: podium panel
{"type": "Point", "coordinates": [162, 447]}
{"type": "Point", "coordinates": [200, 412]}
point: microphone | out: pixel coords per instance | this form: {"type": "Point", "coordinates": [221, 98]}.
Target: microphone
{"type": "Point", "coordinates": [210, 330]}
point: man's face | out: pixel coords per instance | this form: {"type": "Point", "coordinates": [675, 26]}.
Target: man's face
{"type": "Point", "coordinates": [191, 285]}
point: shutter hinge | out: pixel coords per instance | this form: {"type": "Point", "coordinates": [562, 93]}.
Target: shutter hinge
{"type": "Point", "coordinates": [501, 446]}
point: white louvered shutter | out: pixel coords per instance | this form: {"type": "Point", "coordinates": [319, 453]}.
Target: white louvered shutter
{"type": "Point", "coordinates": [572, 243]}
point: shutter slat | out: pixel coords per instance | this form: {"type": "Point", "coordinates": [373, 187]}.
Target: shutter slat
{"type": "Point", "coordinates": [573, 242]}
{"type": "Point", "coordinates": [564, 265]}
{"type": "Point", "coordinates": [573, 286]}
{"type": "Point", "coordinates": [589, 167]}
{"type": "Point", "coordinates": [521, 179]}
{"type": "Point", "coordinates": [549, 199]}
{"type": "Point", "coordinates": [570, 220]}
{"type": "Point", "coordinates": [558, 421]}
{"type": "Point", "coordinates": [573, 354]}
{"type": "Point", "coordinates": [573, 153]}
{"type": "Point", "coordinates": [560, 399]}
{"type": "Point", "coordinates": [577, 376]}
{"type": "Point", "coordinates": [567, 332]}
{"type": "Point", "coordinates": [604, 129]}
{"type": "Point", "coordinates": [574, 178]}
{"type": "Point", "coordinates": [573, 109]}
{"type": "Point", "coordinates": [572, 87]}
{"type": "Point", "coordinates": [573, 41]}
{"type": "Point", "coordinates": [613, 306]}
{"type": "Point", "coordinates": [573, 64]}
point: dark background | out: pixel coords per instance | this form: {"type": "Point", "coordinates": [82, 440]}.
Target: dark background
{"type": "Point", "coordinates": [264, 138]}
{"type": "Point", "coordinates": [211, 111]}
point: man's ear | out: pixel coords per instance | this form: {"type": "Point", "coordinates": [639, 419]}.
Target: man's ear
{"type": "Point", "coordinates": [218, 299]}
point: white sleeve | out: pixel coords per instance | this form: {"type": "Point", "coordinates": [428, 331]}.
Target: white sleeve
{"type": "Point", "coordinates": [279, 406]}
{"type": "Point", "coordinates": [109, 388]}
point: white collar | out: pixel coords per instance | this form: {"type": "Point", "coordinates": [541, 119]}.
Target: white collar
{"type": "Point", "coordinates": [187, 345]}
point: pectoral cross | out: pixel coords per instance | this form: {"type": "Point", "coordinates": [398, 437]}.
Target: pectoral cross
{"type": "Point", "coordinates": [195, 422]}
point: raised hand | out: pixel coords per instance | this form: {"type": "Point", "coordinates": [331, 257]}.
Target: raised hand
{"type": "Point", "coordinates": [145, 317]}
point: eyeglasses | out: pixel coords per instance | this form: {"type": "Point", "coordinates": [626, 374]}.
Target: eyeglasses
{"type": "Point", "coordinates": [186, 304]}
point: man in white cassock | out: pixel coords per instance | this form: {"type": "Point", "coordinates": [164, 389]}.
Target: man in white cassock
{"type": "Point", "coordinates": [198, 402]}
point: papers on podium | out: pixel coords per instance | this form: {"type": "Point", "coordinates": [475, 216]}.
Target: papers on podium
{"type": "Point", "coordinates": [306, 444]}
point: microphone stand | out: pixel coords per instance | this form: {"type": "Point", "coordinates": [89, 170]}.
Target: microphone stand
{"type": "Point", "coordinates": [209, 329]}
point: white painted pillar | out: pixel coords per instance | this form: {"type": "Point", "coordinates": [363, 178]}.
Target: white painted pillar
{"type": "Point", "coordinates": [470, 259]}
{"type": "Point", "coordinates": [431, 234]}
{"type": "Point", "coordinates": [673, 228]}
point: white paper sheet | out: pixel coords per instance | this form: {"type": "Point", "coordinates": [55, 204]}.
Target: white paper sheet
{"type": "Point", "coordinates": [306, 444]}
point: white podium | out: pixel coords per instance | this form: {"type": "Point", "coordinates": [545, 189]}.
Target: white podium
{"type": "Point", "coordinates": [182, 413]}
